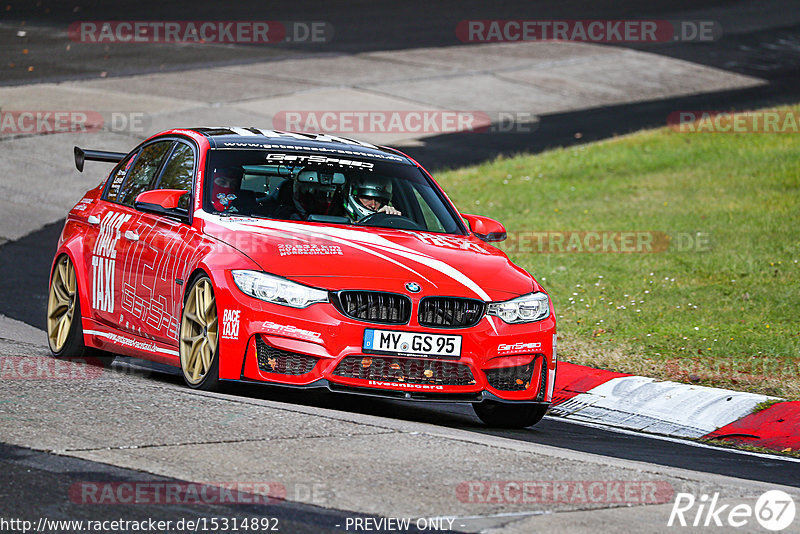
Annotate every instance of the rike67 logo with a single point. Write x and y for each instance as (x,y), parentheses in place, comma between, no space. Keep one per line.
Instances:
(774,511)
(230,324)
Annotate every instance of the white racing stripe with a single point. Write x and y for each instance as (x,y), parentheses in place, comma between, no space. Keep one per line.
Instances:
(344,140)
(346,243)
(268,133)
(356,239)
(298,136)
(241,131)
(385,245)
(491,319)
(410,254)
(350,237)
(292,234)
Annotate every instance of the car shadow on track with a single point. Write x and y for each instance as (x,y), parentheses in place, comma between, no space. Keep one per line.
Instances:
(441,413)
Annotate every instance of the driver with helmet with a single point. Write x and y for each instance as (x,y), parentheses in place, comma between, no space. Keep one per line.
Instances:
(369,195)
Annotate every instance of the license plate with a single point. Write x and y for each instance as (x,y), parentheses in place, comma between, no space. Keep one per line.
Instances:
(393,342)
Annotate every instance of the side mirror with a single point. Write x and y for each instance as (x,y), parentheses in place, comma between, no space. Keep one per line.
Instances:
(485,228)
(162,202)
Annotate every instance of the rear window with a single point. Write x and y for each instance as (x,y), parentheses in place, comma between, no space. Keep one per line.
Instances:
(118,177)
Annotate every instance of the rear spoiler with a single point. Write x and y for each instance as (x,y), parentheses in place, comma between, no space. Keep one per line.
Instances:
(82,155)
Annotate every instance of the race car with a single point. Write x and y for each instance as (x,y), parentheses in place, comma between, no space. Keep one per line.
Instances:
(301,260)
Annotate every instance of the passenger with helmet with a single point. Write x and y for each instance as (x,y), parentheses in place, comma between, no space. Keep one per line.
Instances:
(369,195)
(227,182)
(227,195)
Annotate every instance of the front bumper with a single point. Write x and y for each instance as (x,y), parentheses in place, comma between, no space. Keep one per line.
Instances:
(323,384)
(320,347)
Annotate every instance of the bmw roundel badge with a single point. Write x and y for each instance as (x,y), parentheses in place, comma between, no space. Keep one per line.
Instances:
(413,287)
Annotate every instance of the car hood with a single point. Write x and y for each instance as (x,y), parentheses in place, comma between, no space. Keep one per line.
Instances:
(338,257)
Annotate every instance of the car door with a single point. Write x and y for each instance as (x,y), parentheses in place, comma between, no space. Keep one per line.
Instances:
(163,251)
(105,223)
(129,313)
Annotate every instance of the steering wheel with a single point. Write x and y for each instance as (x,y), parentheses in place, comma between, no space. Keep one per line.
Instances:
(389,220)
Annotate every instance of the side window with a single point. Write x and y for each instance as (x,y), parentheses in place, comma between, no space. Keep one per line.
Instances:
(179,172)
(432,223)
(143,171)
(118,177)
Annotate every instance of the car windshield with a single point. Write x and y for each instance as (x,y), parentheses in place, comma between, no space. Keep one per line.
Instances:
(321,188)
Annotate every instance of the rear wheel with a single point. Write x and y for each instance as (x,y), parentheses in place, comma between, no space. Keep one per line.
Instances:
(198,337)
(501,415)
(64,333)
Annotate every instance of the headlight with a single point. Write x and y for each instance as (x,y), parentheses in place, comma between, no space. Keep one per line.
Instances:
(525,309)
(277,290)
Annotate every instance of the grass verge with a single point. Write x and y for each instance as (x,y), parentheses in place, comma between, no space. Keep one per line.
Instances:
(712,296)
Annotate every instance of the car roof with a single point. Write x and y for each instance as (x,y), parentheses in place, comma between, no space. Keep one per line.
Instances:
(237,137)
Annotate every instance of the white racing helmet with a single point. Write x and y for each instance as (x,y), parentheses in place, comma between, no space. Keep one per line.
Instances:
(374,187)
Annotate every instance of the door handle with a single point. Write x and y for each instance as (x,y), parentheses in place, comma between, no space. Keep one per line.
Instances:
(93,219)
(131,236)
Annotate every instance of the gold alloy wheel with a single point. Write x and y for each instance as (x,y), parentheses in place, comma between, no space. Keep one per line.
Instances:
(198,332)
(61,304)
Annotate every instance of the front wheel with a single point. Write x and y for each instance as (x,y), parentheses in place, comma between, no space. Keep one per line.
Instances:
(198,337)
(64,331)
(501,415)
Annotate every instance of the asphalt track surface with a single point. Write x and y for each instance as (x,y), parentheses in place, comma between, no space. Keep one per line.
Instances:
(37,484)
(41,480)
(38,479)
(357,27)
(771,54)
(365,26)
(550,431)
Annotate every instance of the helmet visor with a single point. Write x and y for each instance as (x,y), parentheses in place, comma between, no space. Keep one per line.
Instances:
(371,202)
